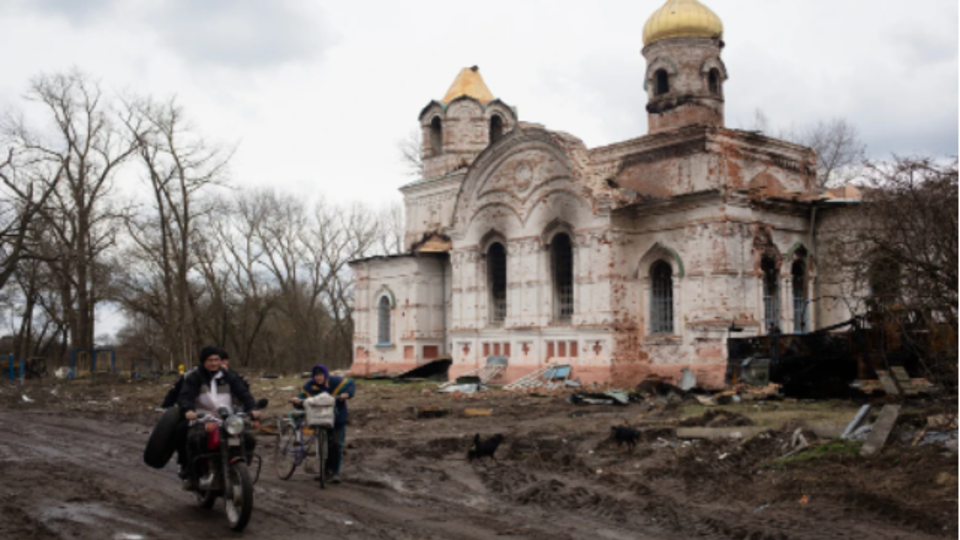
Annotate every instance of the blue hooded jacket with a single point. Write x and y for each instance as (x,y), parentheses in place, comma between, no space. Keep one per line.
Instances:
(331,383)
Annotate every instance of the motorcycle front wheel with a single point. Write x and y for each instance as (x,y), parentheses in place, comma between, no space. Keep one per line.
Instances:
(239,502)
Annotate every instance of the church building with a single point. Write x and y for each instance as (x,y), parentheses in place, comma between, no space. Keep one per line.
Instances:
(625,261)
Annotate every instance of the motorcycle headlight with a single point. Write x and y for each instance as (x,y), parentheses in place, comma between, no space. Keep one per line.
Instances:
(235,425)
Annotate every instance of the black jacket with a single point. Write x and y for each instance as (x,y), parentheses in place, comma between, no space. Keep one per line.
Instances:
(171,398)
(194,381)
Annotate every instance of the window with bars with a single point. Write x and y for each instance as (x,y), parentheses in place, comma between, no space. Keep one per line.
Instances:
(383,337)
(771,293)
(497,272)
(562,255)
(799,273)
(661,298)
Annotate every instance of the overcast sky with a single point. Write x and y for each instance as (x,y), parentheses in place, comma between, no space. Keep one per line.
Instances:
(316,94)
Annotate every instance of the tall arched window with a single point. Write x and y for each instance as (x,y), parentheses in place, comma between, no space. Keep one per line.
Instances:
(436,136)
(497,272)
(561,254)
(799,274)
(383,320)
(771,293)
(496,128)
(714,77)
(663,82)
(661,298)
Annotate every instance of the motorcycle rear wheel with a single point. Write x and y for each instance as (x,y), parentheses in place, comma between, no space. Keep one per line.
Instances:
(239,503)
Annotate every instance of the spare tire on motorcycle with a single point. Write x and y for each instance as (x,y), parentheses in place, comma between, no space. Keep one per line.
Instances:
(163,440)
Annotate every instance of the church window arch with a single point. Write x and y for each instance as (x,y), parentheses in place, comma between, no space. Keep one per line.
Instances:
(436,136)
(497,281)
(383,321)
(714,79)
(561,262)
(771,293)
(799,278)
(661,298)
(496,128)
(662,80)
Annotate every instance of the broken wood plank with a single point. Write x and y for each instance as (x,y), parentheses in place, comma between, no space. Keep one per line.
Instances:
(478,412)
(881,430)
(889,385)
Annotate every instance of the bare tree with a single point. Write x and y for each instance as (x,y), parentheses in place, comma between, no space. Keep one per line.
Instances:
(411,154)
(179,167)
(85,148)
(839,150)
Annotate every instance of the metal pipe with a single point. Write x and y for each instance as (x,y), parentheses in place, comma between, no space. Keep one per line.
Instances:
(816,276)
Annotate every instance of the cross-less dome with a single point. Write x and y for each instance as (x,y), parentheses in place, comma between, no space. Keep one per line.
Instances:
(682,18)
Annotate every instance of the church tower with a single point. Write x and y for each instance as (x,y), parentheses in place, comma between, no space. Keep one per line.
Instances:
(685,75)
(467,121)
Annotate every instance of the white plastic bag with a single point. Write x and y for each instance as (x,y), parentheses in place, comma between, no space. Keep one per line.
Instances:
(320,410)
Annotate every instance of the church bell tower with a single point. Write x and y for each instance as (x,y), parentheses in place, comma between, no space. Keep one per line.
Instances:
(685,75)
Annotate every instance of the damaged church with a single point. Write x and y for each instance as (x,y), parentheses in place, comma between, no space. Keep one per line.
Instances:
(624,261)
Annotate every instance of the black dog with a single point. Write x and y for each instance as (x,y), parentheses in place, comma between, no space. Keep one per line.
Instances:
(625,435)
(484,448)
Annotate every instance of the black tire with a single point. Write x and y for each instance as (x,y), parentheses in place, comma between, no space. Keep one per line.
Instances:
(206,498)
(283,459)
(239,512)
(163,440)
(321,436)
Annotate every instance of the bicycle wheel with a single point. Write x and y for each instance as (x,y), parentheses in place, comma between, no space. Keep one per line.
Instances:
(322,455)
(286,452)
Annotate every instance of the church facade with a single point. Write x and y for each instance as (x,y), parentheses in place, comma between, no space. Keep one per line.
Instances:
(625,261)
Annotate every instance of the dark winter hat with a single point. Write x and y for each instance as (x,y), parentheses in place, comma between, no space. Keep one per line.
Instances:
(223,354)
(209,351)
(318,369)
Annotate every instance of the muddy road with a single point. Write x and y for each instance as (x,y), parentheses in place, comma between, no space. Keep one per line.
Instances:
(78,473)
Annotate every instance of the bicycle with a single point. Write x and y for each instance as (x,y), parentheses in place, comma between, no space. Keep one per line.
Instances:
(294,447)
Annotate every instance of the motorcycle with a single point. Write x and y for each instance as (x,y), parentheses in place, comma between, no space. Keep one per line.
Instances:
(222,467)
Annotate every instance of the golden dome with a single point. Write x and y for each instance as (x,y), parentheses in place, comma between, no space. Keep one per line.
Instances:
(469,83)
(682,18)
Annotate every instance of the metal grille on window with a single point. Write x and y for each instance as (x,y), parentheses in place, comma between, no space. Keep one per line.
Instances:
(562,253)
(497,270)
(384,321)
(800,296)
(661,299)
(771,294)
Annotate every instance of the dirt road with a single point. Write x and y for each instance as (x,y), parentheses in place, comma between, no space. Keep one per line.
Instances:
(79,475)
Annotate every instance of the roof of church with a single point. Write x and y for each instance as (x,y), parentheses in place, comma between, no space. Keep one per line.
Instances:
(469,83)
(682,18)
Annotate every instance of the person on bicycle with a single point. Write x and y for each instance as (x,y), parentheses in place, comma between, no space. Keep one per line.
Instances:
(342,389)
(205,391)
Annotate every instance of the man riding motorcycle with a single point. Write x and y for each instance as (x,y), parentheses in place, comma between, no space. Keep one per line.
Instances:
(205,391)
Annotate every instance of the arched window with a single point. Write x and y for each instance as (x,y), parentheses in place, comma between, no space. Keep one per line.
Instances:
(497,272)
(661,298)
(496,128)
(799,274)
(436,136)
(383,337)
(663,82)
(714,77)
(771,293)
(561,254)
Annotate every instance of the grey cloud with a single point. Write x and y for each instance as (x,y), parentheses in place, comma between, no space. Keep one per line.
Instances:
(75,11)
(242,33)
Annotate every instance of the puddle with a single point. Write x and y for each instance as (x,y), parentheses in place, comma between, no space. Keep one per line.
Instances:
(94,515)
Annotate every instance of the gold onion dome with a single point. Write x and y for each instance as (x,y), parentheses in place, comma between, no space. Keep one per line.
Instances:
(682,18)
(469,83)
